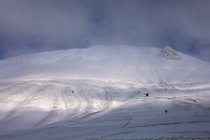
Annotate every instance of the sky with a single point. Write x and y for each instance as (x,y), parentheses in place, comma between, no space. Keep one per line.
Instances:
(30,26)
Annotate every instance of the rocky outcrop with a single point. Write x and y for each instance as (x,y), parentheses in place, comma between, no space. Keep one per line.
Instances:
(170,53)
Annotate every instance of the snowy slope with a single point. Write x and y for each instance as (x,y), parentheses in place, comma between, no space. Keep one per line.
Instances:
(100,92)
(106,63)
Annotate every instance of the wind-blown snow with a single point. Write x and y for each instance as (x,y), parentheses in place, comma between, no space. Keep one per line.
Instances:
(100,92)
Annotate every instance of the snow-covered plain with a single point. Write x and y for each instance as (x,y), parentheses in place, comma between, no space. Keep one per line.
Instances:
(100,93)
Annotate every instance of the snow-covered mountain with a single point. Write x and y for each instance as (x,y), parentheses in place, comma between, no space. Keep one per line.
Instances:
(104,92)
(106,63)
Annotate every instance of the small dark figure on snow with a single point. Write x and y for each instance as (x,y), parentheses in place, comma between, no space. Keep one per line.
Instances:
(194,100)
(72,91)
(147,94)
(166,111)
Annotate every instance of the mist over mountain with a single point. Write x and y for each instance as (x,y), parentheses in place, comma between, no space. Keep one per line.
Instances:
(28,26)
(104,69)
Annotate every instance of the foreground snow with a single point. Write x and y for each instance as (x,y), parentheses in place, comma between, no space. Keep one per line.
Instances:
(100,94)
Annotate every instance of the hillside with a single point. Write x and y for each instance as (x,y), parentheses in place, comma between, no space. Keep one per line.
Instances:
(104,92)
(106,63)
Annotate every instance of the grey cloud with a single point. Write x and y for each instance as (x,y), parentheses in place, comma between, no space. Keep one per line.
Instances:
(37,25)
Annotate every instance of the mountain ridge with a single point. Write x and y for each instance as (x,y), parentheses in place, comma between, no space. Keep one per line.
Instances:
(115,63)
(115,92)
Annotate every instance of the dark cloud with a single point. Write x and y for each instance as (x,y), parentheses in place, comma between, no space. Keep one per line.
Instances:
(35,25)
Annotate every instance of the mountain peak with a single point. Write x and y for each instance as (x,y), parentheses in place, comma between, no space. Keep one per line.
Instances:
(115,63)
